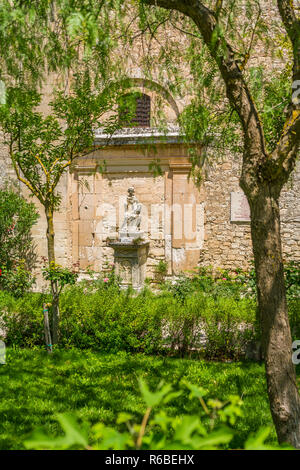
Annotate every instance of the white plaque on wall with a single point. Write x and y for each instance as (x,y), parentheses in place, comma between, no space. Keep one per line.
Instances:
(240,210)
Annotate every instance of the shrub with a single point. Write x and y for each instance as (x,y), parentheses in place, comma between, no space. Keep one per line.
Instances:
(17,257)
(22,319)
(292,278)
(214,328)
(161,270)
(223,283)
(100,316)
(230,326)
(181,288)
(16,280)
(109,320)
(294,316)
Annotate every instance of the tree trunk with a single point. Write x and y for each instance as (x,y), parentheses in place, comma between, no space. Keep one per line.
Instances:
(47,329)
(54,286)
(276,335)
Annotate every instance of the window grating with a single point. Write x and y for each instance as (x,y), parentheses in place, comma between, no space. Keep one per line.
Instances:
(135,110)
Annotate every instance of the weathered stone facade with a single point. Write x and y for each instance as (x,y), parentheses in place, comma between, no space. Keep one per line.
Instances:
(185,225)
(228,244)
(97,206)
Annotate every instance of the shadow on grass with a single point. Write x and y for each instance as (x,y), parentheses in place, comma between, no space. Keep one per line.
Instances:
(35,386)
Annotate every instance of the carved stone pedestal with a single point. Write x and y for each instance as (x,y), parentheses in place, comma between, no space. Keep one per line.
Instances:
(130,262)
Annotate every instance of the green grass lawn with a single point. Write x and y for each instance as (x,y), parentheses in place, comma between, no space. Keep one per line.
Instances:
(35,386)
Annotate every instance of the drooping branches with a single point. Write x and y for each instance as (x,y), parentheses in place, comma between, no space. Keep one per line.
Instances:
(292,25)
(257,162)
(237,90)
(288,146)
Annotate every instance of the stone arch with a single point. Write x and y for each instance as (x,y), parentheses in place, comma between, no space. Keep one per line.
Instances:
(136,82)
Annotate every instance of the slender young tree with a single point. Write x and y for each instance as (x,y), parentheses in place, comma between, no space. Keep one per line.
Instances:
(43,147)
(263,175)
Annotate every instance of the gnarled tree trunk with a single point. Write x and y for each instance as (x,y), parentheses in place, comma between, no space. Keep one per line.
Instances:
(276,335)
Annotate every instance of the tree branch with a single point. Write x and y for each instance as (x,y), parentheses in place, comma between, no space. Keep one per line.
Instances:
(237,90)
(30,186)
(287,149)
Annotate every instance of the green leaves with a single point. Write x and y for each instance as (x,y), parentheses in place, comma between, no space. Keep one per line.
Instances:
(83,28)
(42,36)
(43,146)
(62,276)
(17,257)
(257,441)
(196,392)
(187,431)
(161,432)
(185,427)
(292,278)
(75,436)
(153,399)
(215,439)
(110,438)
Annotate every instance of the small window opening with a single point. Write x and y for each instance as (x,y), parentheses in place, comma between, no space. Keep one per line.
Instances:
(135,110)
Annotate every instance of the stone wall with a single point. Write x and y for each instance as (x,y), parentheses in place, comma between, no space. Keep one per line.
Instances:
(290,216)
(219,241)
(228,244)
(98,207)
(86,217)
(92,205)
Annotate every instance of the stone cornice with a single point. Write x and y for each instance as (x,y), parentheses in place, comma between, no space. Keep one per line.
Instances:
(139,135)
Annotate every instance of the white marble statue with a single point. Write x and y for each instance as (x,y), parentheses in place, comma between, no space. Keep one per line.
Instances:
(132,218)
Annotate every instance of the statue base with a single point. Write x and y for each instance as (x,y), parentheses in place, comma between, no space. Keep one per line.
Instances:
(130,256)
(127,236)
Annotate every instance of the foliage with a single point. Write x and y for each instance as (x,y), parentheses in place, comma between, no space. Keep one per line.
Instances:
(201,316)
(42,147)
(99,316)
(292,279)
(22,319)
(213,327)
(221,283)
(62,276)
(161,270)
(17,216)
(113,320)
(235,282)
(276,91)
(180,288)
(97,387)
(162,267)
(16,280)
(294,317)
(17,257)
(56,33)
(40,37)
(158,430)
(106,279)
